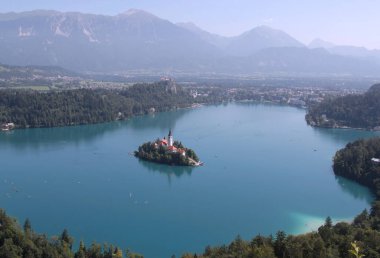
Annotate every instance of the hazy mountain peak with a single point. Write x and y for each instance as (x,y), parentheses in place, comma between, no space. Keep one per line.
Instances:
(137,13)
(263,29)
(320,43)
(261,37)
(189,25)
(271,34)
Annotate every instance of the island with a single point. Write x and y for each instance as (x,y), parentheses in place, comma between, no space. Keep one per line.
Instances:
(167,151)
(361,111)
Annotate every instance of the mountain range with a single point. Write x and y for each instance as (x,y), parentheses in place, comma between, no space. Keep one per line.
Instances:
(136,41)
(353,51)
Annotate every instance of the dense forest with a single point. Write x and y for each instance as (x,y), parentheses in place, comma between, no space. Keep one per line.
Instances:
(28,108)
(151,152)
(355,162)
(17,242)
(356,111)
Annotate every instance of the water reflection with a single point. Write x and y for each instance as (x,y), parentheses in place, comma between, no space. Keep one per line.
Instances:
(169,171)
(162,120)
(356,190)
(38,137)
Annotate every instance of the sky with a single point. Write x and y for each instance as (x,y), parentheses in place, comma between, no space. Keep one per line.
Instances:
(343,22)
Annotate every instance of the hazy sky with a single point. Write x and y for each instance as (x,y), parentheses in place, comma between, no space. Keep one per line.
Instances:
(349,22)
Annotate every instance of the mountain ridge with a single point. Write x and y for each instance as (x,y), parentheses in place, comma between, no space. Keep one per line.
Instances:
(346,50)
(137,40)
(259,38)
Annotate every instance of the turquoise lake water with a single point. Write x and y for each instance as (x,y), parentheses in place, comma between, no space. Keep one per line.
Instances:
(265,170)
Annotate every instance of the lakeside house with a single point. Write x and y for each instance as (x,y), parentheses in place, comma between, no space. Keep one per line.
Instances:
(7,126)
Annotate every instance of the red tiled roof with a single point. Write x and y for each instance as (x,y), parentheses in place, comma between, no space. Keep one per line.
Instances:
(172,148)
(163,142)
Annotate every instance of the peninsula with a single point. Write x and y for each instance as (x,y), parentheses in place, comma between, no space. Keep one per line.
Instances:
(167,151)
(351,111)
(360,161)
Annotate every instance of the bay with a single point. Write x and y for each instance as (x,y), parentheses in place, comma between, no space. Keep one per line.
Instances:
(265,170)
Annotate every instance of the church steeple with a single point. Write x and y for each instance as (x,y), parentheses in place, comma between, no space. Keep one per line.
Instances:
(170,138)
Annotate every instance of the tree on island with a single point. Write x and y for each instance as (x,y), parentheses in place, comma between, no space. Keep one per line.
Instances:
(149,152)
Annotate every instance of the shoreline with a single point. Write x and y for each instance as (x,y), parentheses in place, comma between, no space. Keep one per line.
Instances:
(192,106)
(310,223)
(344,128)
(314,124)
(198,164)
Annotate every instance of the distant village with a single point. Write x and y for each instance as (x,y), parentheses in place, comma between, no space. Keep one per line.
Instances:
(293,96)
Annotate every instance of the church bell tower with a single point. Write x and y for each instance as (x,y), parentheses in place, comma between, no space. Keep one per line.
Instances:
(170,138)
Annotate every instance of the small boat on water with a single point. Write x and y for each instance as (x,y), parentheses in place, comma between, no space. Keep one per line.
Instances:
(199,164)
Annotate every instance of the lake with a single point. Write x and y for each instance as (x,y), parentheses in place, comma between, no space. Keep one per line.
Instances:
(264,170)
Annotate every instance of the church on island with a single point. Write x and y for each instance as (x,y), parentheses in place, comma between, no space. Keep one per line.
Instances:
(168,145)
(167,151)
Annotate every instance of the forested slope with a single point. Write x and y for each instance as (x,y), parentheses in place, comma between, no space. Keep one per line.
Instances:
(28,108)
(357,111)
